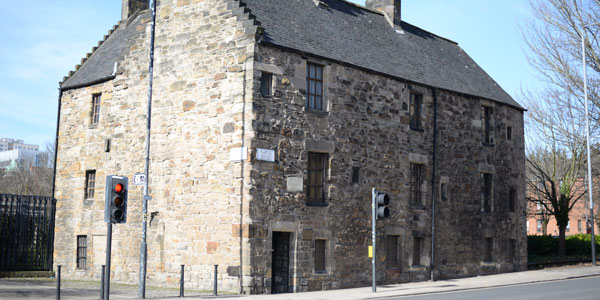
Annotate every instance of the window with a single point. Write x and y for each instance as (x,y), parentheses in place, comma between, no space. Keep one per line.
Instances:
(528,225)
(81,252)
(317,165)
(538,206)
(444,191)
(512,200)
(509,133)
(320,256)
(417,241)
(416,102)
(512,250)
(266,84)
(486,191)
(355,174)
(539,225)
(579,226)
(568,226)
(392,259)
(90,184)
(486,125)
(489,246)
(314,87)
(95,108)
(416,181)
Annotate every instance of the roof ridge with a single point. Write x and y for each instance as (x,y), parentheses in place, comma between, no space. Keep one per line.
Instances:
(429,32)
(87,55)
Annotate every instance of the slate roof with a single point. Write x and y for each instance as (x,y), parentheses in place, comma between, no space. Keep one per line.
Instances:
(349,33)
(100,65)
(339,31)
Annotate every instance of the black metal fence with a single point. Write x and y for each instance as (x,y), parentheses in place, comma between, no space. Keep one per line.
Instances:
(26,232)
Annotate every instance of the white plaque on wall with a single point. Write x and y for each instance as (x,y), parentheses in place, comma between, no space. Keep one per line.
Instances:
(295,184)
(265,154)
(237,154)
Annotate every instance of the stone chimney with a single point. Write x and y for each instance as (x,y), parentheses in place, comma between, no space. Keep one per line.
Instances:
(131,6)
(391,8)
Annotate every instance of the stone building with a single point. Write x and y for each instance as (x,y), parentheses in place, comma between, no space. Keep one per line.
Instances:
(272,121)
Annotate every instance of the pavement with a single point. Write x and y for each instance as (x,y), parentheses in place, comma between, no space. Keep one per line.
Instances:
(46,289)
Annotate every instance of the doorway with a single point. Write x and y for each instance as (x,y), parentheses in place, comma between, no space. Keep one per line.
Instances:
(280,263)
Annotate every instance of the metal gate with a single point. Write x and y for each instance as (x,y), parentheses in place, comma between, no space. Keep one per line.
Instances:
(26,232)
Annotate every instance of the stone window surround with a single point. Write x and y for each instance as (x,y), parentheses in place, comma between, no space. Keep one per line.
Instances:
(274,70)
(443,188)
(488,250)
(303,70)
(90,185)
(487,169)
(398,250)
(418,159)
(81,254)
(487,105)
(416,95)
(325,148)
(95,109)
(327,236)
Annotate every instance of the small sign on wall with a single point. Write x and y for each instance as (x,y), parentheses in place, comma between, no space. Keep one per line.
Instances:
(238,154)
(295,184)
(265,154)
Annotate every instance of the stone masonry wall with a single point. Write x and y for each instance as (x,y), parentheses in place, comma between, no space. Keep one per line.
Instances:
(199,112)
(366,125)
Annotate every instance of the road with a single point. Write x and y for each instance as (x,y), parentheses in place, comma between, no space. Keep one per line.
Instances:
(572,289)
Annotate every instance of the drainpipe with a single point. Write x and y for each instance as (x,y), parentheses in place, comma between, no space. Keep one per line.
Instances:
(433,185)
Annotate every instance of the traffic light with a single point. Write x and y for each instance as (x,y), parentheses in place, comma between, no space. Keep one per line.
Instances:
(382,200)
(115,208)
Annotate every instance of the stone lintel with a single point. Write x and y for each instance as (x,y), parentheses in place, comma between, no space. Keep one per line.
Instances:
(486,168)
(319,146)
(417,158)
(268,68)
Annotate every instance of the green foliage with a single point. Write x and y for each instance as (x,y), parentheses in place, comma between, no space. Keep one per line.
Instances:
(545,247)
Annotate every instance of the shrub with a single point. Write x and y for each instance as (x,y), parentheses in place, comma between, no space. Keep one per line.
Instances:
(546,245)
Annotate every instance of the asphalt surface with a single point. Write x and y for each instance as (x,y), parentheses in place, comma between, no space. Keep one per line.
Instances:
(572,289)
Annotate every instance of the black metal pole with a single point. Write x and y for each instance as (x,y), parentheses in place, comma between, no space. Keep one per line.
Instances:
(102,283)
(181,282)
(107,274)
(215,284)
(58,283)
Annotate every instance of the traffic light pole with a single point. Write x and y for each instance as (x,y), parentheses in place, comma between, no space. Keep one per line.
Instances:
(374,236)
(108,252)
(144,245)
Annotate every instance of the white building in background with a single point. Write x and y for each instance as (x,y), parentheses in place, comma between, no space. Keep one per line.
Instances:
(30,158)
(7,144)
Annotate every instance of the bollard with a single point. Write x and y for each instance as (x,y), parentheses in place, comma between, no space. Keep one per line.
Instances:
(58,283)
(102,283)
(181,282)
(215,286)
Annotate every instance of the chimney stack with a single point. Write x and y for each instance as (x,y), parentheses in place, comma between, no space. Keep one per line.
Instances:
(131,6)
(390,8)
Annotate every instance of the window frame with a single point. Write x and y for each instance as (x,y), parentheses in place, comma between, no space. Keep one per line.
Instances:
(355,175)
(486,125)
(317,104)
(316,167)
(509,133)
(90,185)
(489,249)
(416,183)
(417,250)
(95,112)
(81,256)
(415,111)
(487,191)
(320,256)
(392,259)
(266,84)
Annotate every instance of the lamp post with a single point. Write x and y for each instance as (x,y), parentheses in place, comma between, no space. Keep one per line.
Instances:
(587,133)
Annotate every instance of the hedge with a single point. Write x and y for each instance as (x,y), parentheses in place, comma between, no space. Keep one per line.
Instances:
(546,245)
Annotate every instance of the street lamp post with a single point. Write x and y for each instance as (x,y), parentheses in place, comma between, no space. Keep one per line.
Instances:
(587,133)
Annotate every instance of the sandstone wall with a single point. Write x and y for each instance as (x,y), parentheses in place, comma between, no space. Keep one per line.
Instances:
(199,112)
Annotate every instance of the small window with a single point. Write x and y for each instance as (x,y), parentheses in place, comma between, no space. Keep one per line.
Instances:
(317,166)
(444,191)
(579,226)
(512,250)
(416,103)
(320,256)
(95,113)
(568,226)
(489,246)
(355,175)
(527,225)
(392,258)
(81,252)
(90,184)
(486,191)
(486,116)
(417,241)
(512,200)
(509,133)
(539,225)
(266,84)
(416,181)
(314,86)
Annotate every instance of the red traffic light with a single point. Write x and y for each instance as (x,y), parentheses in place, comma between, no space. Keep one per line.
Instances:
(118,187)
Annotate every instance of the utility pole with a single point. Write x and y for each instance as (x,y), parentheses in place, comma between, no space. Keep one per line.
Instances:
(144,246)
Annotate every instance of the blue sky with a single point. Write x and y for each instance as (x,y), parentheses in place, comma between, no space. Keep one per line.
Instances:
(43,40)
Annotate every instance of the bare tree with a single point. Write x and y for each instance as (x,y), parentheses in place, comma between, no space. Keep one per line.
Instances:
(31,174)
